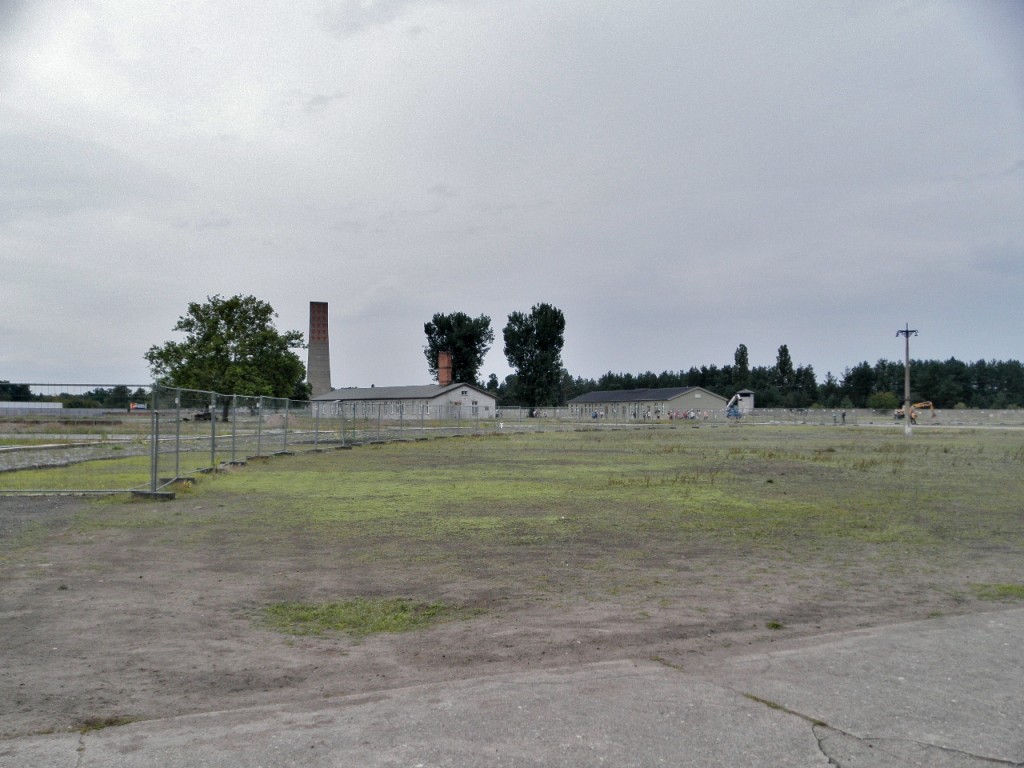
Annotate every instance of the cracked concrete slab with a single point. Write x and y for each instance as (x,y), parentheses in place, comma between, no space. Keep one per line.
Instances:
(46,751)
(943,693)
(847,751)
(940,692)
(619,713)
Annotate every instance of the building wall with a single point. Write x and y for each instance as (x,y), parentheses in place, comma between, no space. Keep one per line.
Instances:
(697,400)
(450,405)
(471,401)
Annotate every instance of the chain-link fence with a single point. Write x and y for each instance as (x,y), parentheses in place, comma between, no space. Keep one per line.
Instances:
(100,439)
(107,439)
(194,431)
(87,437)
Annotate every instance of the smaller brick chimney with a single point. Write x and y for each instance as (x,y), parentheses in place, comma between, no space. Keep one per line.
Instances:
(444,368)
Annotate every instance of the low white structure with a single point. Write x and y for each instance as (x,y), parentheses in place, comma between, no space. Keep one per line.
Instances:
(28,406)
(644,404)
(746,400)
(428,401)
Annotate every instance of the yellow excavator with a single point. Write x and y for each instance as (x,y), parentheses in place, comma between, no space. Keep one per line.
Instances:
(915,409)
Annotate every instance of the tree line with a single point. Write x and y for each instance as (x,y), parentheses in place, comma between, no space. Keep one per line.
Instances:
(119,396)
(231,345)
(533,345)
(947,384)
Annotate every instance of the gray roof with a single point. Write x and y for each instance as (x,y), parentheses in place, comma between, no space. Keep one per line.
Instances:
(413,392)
(636,395)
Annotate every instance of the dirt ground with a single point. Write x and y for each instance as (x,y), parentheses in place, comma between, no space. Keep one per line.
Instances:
(112,625)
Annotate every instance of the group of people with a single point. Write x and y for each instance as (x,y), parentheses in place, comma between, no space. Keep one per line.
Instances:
(647,415)
(691,415)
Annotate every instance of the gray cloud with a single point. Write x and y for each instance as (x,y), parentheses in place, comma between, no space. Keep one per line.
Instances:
(679,178)
(59,174)
(322,101)
(349,17)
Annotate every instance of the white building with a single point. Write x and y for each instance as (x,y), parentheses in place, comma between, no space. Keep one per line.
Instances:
(641,404)
(427,401)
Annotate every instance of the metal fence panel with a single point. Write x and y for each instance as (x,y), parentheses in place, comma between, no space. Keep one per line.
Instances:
(96,437)
(102,439)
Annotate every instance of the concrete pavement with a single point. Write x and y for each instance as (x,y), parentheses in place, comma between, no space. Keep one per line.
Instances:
(942,693)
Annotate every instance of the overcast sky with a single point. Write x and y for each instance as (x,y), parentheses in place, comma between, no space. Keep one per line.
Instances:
(678,177)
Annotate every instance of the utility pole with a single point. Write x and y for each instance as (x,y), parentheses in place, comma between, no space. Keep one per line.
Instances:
(906,333)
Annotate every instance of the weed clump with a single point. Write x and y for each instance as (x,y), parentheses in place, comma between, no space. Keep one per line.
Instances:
(999,591)
(358,617)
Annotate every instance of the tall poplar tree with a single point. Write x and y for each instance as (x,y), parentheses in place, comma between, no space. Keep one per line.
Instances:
(533,347)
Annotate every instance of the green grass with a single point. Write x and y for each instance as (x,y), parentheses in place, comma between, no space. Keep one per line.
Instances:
(761,485)
(608,512)
(358,617)
(999,591)
(115,474)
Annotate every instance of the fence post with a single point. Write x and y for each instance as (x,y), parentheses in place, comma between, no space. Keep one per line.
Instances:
(259,426)
(154,436)
(316,427)
(177,433)
(286,404)
(234,426)
(213,430)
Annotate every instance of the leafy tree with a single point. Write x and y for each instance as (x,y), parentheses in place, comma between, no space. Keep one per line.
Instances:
(116,397)
(79,401)
(741,370)
(15,392)
(231,346)
(784,374)
(533,347)
(467,339)
(883,401)
(828,392)
(805,388)
(858,383)
(508,391)
(572,387)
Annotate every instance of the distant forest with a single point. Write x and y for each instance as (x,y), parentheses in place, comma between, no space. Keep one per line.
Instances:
(119,396)
(947,384)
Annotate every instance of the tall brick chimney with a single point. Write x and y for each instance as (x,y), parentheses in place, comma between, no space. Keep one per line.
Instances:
(318,369)
(444,368)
